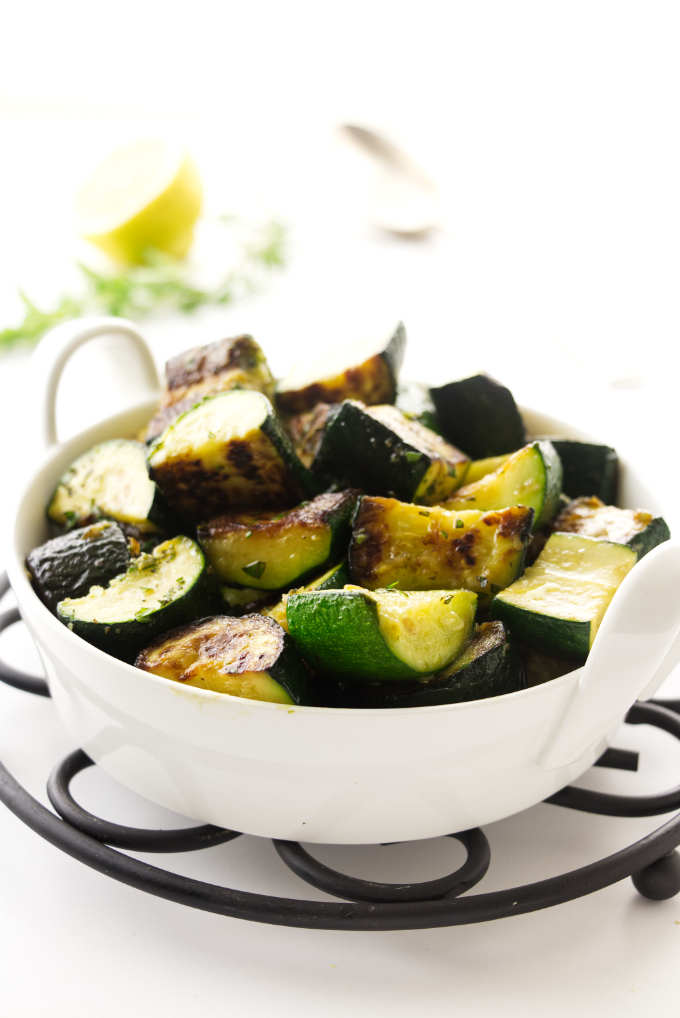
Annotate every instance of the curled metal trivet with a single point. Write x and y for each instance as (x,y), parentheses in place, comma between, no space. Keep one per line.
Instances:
(652,861)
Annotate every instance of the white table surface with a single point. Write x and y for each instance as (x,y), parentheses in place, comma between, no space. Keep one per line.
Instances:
(556,268)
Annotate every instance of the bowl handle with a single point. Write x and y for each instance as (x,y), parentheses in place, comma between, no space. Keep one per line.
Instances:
(636,648)
(55,349)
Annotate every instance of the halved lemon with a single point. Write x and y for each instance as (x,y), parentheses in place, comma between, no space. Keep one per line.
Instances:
(144,195)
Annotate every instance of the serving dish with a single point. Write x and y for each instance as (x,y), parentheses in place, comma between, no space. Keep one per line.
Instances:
(334,775)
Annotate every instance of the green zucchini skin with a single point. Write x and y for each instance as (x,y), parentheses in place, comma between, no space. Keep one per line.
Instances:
(333,579)
(416,403)
(588,469)
(68,565)
(109,481)
(590,517)
(380,451)
(123,637)
(479,415)
(340,631)
(235,363)
(489,666)
(372,381)
(250,657)
(275,550)
(228,452)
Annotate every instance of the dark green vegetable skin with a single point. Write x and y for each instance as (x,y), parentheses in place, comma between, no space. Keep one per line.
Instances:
(68,565)
(487,667)
(588,469)
(656,532)
(479,416)
(124,640)
(367,454)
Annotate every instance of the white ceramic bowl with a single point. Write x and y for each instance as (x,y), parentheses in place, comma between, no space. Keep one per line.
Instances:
(336,775)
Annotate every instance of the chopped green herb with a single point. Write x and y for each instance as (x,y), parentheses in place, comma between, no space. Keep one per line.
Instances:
(421,512)
(360,537)
(391,586)
(255,569)
(459,524)
(411,456)
(249,533)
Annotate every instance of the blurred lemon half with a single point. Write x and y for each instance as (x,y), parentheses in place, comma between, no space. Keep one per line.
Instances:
(144,195)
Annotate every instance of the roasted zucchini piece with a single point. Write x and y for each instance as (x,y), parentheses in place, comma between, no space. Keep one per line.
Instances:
(480,468)
(479,415)
(158,591)
(68,565)
(109,481)
(487,666)
(227,452)
(236,363)
(306,432)
(333,579)
(417,548)
(560,601)
(272,550)
(416,403)
(591,517)
(368,374)
(381,451)
(250,657)
(532,476)
(245,600)
(383,634)
(588,469)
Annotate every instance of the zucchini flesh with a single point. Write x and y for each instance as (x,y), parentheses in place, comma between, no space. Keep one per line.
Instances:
(588,469)
(383,634)
(418,548)
(480,468)
(381,451)
(236,363)
(272,550)
(369,374)
(333,579)
(228,451)
(249,657)
(479,415)
(487,666)
(590,517)
(532,476)
(156,592)
(68,565)
(109,481)
(560,601)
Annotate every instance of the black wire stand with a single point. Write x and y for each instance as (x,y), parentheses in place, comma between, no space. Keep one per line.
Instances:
(652,862)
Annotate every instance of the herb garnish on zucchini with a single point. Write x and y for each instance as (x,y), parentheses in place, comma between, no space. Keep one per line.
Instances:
(383,634)
(156,592)
(559,602)
(381,451)
(370,375)
(271,550)
(250,657)
(109,481)
(227,452)
(422,548)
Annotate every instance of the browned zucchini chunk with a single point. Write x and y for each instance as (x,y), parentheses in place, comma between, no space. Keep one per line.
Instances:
(369,375)
(590,517)
(381,451)
(306,431)
(272,550)
(227,452)
(412,547)
(251,657)
(236,363)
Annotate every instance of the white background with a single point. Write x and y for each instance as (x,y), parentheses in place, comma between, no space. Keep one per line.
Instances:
(552,132)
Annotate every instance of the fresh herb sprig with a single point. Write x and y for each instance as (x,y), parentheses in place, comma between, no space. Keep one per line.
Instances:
(161,283)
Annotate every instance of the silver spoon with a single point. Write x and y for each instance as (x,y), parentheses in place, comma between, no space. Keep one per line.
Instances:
(405,200)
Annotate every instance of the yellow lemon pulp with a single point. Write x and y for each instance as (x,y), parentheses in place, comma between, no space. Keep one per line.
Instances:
(144,195)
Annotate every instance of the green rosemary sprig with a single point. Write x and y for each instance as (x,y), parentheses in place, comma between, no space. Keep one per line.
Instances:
(162,283)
